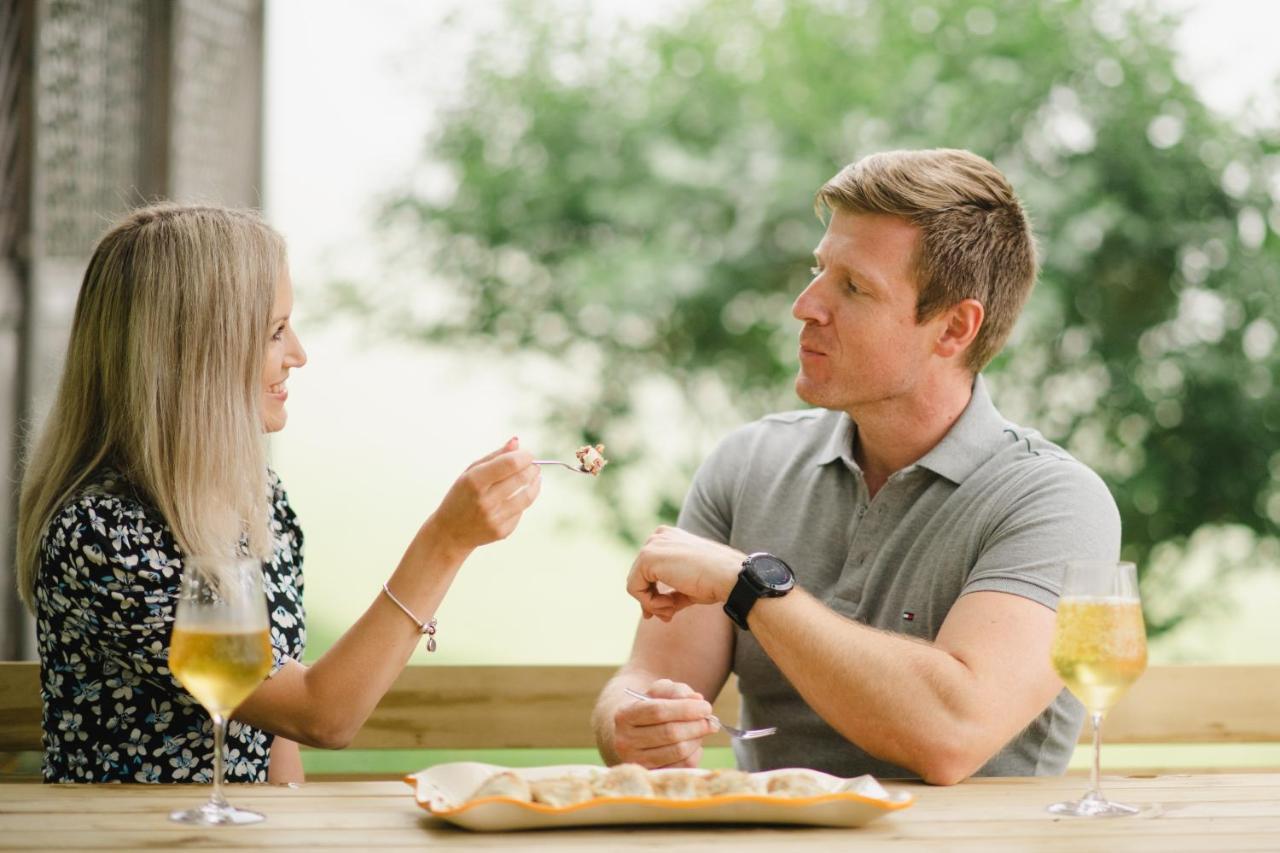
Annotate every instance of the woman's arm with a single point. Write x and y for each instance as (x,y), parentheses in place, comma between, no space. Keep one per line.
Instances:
(286,763)
(325,704)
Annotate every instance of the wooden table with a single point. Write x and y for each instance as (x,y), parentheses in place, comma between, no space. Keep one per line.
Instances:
(1230,811)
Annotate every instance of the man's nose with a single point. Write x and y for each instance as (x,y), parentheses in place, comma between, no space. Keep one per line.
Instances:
(808,306)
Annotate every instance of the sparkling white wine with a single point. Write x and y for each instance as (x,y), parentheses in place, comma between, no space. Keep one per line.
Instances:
(1099,648)
(220,668)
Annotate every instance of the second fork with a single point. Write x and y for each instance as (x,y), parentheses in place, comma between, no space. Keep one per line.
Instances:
(741,734)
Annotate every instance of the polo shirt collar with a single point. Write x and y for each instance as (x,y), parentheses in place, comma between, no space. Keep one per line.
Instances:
(971,441)
(839,444)
(975,436)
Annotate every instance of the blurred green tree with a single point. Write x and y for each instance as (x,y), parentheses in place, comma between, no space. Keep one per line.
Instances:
(636,204)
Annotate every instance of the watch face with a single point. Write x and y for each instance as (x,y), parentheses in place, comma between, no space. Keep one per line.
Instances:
(771,571)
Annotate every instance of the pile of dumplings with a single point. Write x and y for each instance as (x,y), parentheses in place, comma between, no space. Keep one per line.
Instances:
(632,780)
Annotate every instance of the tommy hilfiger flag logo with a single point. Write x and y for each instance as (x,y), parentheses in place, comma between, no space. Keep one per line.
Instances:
(908,616)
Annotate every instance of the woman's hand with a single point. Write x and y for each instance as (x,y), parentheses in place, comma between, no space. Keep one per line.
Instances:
(485,503)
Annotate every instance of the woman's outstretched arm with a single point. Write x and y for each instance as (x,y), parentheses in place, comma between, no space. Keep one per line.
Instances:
(326,703)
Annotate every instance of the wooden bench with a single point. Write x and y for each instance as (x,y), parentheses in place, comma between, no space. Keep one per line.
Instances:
(547,707)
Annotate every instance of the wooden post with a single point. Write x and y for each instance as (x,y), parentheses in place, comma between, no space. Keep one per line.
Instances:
(17,74)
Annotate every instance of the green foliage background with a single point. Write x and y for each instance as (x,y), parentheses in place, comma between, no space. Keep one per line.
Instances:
(637,203)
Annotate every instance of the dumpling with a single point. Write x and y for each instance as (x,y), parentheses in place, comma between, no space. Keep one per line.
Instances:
(625,780)
(680,786)
(561,791)
(721,782)
(591,459)
(504,784)
(798,784)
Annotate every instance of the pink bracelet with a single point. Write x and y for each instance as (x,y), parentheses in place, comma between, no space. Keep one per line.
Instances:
(427,628)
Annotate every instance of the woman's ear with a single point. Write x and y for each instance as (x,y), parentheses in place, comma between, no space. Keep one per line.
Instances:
(963,320)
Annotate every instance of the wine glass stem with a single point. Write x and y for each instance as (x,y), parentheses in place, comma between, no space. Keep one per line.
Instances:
(219,733)
(1095,783)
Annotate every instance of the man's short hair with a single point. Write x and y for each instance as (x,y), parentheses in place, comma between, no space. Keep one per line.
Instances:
(975,240)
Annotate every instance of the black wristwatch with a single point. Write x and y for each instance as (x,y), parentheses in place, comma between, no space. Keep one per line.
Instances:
(762,576)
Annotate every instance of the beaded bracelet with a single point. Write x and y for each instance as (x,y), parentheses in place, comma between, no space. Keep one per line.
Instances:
(427,628)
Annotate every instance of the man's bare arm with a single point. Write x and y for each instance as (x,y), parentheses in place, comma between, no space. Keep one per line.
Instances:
(686,661)
(940,709)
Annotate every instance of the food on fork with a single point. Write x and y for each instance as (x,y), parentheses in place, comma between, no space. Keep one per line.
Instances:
(625,780)
(561,791)
(505,784)
(721,782)
(680,786)
(798,784)
(591,459)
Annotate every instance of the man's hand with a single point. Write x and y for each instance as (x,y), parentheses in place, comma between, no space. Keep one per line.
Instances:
(676,568)
(665,730)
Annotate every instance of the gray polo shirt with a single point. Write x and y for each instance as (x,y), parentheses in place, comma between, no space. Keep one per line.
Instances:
(993,506)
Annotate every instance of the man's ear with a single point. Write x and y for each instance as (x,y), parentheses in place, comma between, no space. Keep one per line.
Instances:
(963,320)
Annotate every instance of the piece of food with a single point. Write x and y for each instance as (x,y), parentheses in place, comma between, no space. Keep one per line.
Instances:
(504,784)
(680,786)
(625,780)
(561,791)
(591,459)
(798,784)
(720,782)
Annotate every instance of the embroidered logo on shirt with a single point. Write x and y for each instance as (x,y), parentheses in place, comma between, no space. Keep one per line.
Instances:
(908,616)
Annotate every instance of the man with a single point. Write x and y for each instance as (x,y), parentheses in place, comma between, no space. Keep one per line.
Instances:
(925,534)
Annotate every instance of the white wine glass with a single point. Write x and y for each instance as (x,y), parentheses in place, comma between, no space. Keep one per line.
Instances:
(220,652)
(1099,649)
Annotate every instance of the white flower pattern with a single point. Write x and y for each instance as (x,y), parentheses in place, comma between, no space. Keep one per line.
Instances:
(105,594)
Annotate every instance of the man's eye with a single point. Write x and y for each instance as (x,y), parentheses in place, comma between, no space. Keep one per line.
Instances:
(851,287)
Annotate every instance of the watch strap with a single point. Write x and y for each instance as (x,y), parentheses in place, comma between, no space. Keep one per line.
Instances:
(742,598)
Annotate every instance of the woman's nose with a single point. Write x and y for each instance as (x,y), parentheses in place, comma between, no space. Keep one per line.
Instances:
(297,355)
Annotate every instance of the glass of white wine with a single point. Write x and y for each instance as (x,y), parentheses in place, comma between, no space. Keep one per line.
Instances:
(1099,649)
(220,651)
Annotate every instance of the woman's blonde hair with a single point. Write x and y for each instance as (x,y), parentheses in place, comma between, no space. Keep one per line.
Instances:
(162,381)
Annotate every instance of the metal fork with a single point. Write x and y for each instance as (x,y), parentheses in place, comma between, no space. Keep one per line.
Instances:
(577,468)
(741,734)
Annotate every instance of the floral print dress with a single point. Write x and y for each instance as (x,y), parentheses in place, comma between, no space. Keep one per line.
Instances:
(105,600)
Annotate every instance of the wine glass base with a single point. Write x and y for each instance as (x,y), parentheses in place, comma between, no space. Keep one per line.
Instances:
(1098,807)
(211,814)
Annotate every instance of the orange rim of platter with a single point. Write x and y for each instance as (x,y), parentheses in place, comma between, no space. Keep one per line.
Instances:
(666,803)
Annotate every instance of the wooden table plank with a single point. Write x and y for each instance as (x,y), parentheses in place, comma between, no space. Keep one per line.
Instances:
(754,841)
(1201,812)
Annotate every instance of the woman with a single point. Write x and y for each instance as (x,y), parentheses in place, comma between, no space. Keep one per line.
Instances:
(180,350)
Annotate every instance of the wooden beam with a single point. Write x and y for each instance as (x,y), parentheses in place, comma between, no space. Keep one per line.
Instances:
(498,707)
(1198,704)
(515,707)
(20,707)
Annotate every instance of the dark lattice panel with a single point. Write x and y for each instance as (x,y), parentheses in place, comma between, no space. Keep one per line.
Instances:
(89,100)
(216,97)
(15,90)
(104,105)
